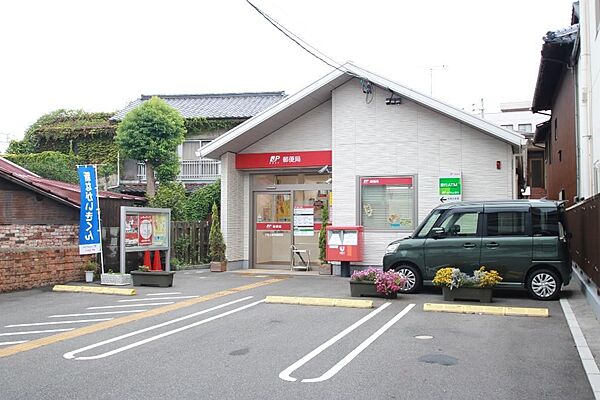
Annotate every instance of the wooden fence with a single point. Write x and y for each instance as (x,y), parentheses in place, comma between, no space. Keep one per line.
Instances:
(189,241)
(583,222)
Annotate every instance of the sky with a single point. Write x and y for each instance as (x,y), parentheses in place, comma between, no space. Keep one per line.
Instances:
(101,55)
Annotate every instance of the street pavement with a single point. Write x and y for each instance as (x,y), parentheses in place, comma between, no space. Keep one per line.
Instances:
(237,346)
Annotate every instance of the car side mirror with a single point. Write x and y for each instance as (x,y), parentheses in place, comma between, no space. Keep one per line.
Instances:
(438,233)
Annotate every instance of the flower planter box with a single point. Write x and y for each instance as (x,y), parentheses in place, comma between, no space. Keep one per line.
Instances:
(115,279)
(367,289)
(216,266)
(484,295)
(325,269)
(153,278)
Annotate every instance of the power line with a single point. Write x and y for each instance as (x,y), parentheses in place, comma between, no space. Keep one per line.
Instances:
(302,43)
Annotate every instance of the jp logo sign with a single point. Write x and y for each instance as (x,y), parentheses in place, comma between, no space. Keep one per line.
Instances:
(273,160)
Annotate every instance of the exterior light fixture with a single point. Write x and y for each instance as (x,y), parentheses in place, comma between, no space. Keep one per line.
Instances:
(391,101)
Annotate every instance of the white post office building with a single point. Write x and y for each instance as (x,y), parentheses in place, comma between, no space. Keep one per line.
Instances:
(376,152)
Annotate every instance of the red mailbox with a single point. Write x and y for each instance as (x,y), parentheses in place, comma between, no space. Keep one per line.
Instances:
(344,243)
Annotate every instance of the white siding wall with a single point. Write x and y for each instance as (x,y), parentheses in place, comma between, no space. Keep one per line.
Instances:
(311,131)
(379,139)
(233,210)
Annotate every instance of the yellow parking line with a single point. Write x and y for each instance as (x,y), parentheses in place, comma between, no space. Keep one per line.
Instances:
(93,289)
(34,344)
(491,310)
(319,301)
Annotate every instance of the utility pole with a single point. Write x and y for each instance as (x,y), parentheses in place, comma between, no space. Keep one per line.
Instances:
(431,68)
(480,109)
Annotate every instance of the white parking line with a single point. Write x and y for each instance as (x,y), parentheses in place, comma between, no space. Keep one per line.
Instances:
(162,294)
(159,298)
(32,332)
(59,322)
(587,359)
(130,305)
(17,342)
(285,374)
(71,355)
(96,313)
(350,356)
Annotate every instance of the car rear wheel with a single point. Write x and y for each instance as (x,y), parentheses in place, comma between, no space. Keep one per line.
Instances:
(413,278)
(544,284)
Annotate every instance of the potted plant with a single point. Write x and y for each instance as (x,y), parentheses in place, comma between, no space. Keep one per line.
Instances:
(90,268)
(115,278)
(144,276)
(458,285)
(325,267)
(216,244)
(372,282)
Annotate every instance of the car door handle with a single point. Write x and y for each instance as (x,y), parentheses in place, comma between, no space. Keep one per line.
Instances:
(492,245)
(469,245)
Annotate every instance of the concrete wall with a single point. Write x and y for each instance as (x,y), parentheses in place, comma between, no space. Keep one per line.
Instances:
(371,139)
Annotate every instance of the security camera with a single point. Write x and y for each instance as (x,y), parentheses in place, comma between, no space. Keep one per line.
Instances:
(324,170)
(328,181)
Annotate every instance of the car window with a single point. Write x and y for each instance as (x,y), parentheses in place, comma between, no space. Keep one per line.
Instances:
(461,224)
(428,224)
(507,223)
(544,222)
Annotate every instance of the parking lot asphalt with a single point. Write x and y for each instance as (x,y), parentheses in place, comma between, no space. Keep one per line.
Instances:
(236,346)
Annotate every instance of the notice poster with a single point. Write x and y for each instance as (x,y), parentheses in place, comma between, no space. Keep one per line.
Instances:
(304,221)
(131,230)
(146,230)
(160,230)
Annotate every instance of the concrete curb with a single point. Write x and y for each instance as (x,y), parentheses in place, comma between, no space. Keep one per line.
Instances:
(319,301)
(93,289)
(489,310)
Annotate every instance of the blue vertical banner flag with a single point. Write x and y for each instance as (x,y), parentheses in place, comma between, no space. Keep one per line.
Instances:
(89,215)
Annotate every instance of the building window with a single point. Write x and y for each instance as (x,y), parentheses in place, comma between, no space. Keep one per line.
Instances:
(509,127)
(388,203)
(525,128)
(535,177)
(507,223)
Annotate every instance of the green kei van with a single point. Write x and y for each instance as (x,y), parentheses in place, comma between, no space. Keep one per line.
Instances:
(524,240)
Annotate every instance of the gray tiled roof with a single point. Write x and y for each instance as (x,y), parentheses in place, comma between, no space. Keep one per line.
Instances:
(220,105)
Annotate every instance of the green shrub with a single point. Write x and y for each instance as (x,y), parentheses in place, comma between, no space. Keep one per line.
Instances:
(49,164)
(323,233)
(216,244)
(199,203)
(171,195)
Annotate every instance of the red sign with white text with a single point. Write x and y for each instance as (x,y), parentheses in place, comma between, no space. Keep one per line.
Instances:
(405,181)
(287,159)
(273,226)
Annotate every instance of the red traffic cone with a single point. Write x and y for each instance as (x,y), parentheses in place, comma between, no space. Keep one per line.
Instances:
(147,261)
(156,265)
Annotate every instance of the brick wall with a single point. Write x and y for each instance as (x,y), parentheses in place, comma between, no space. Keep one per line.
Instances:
(38,255)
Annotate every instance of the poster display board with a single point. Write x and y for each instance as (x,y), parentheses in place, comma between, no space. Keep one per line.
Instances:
(450,187)
(144,228)
(304,221)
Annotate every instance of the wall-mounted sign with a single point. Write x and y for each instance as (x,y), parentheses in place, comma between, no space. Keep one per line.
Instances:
(403,181)
(288,159)
(450,187)
(273,226)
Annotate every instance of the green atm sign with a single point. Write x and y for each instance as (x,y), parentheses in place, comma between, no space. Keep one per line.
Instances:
(450,188)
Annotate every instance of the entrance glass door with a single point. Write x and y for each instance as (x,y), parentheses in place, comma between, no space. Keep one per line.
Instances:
(273,229)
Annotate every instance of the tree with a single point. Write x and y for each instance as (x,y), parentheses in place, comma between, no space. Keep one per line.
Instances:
(323,234)
(151,133)
(216,244)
